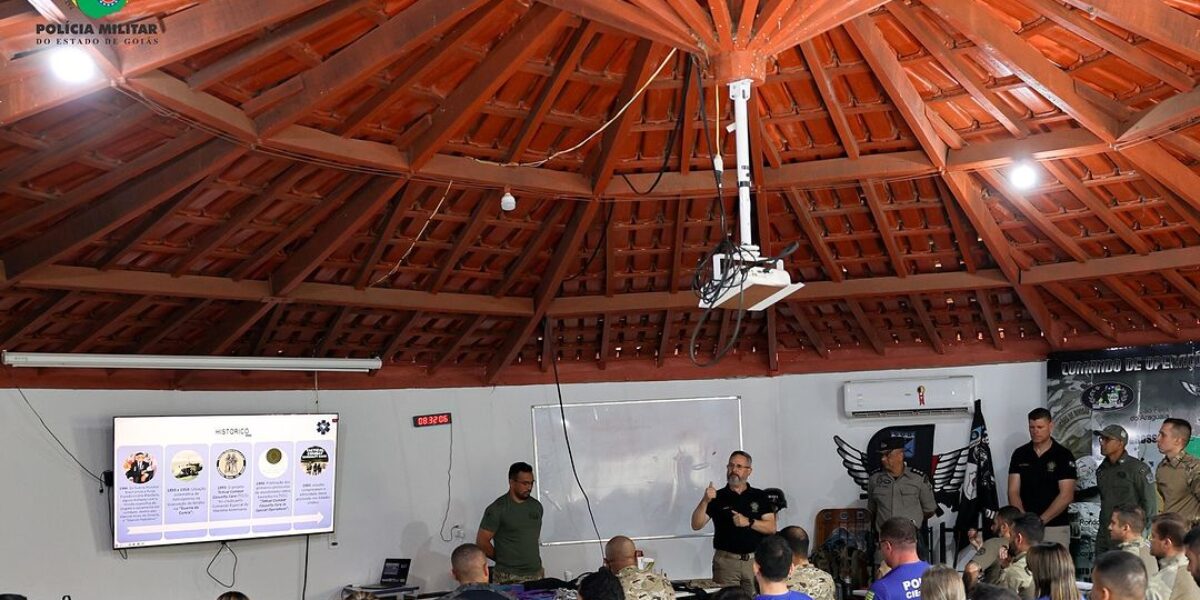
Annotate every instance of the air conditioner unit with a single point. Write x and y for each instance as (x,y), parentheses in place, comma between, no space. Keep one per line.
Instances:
(909,397)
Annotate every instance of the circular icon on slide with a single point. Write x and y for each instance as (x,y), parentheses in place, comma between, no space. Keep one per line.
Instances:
(231,464)
(314,459)
(186,465)
(272,463)
(139,467)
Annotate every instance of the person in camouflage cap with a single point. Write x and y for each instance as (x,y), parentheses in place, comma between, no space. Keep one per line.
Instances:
(620,556)
(805,577)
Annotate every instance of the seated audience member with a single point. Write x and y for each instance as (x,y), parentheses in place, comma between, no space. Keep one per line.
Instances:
(601,585)
(1191,545)
(1118,575)
(898,546)
(469,567)
(620,556)
(1126,527)
(1027,531)
(991,554)
(226,596)
(733,592)
(942,583)
(12,597)
(1053,572)
(987,591)
(805,577)
(970,576)
(1166,544)
(772,565)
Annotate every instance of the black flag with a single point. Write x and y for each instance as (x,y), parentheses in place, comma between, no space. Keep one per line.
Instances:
(977,500)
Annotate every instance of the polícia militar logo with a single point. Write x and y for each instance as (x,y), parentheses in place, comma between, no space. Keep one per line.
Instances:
(97,9)
(1107,396)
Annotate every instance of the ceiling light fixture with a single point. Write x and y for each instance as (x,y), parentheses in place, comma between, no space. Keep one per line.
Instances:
(72,65)
(508,201)
(163,361)
(1023,176)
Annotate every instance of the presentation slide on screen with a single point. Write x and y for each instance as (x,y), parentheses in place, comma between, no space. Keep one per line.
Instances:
(179,480)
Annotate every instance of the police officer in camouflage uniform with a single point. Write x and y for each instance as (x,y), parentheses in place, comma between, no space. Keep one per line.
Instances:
(1172,582)
(1178,475)
(1027,531)
(1126,527)
(620,556)
(805,577)
(469,566)
(1121,480)
(898,491)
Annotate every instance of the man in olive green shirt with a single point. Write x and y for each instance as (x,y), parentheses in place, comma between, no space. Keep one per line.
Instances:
(1121,480)
(511,528)
(1178,475)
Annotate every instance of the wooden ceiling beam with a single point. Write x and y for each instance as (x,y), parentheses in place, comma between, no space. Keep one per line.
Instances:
(874,195)
(1155,21)
(894,79)
(823,17)
(398,341)
(610,254)
(364,58)
(677,236)
(331,234)
(828,94)
(1035,216)
(108,323)
(156,219)
(689,114)
(387,232)
(962,238)
(606,329)
(240,217)
(1085,27)
(1135,300)
(816,237)
(23,327)
(989,317)
(271,42)
(1007,116)
(236,321)
(71,147)
(484,210)
(992,35)
(449,44)
(1176,258)
(602,160)
(743,34)
(628,18)
(452,351)
(806,325)
(268,330)
(520,267)
(1097,206)
(564,67)
(662,12)
(1085,312)
(865,326)
(167,326)
(548,352)
(81,228)
(1154,122)
(1182,285)
(772,340)
(1053,145)
(560,263)
(529,34)
(331,332)
(723,24)
(927,322)
(666,336)
(1154,161)
(699,23)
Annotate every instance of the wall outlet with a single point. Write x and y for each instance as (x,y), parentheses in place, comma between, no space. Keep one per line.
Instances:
(332,540)
(457,533)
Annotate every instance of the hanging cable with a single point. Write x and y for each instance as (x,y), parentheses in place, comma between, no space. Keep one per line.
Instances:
(233,577)
(449,475)
(571,455)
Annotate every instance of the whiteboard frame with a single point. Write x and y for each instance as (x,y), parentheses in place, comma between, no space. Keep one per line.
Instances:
(537,468)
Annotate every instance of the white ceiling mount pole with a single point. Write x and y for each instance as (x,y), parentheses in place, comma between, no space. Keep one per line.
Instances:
(739,92)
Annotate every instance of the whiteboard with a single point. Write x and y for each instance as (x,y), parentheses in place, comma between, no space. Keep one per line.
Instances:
(643,463)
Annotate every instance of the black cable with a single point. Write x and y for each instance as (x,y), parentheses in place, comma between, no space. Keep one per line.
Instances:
(304,587)
(98,479)
(449,475)
(599,245)
(675,131)
(571,455)
(233,578)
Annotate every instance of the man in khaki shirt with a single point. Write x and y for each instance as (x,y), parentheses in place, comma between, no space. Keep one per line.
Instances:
(1126,527)
(1178,474)
(805,577)
(620,556)
(1172,582)
(1027,531)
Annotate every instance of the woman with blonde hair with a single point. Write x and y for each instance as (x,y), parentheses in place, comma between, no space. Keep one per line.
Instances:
(942,583)
(1053,572)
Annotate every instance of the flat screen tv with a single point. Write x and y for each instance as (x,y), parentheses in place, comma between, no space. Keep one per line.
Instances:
(180,480)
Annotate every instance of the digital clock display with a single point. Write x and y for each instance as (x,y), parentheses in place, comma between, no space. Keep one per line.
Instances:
(431,420)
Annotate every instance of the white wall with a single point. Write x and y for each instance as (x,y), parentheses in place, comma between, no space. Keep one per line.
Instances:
(391,477)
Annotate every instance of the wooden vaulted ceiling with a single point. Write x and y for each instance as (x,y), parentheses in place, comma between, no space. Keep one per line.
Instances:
(307,178)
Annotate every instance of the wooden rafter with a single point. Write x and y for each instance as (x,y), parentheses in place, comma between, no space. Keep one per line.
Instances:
(233,324)
(865,326)
(610,253)
(1152,314)
(772,340)
(819,18)
(22,328)
(677,243)
(894,79)
(331,234)
(1152,20)
(816,237)
(169,325)
(403,332)
(452,350)
(603,159)
(606,329)
(626,17)
(954,216)
(927,322)
(1035,216)
(268,330)
(989,318)
(109,322)
(387,232)
(563,69)
(564,256)
(1182,285)
(332,331)
(72,146)
(76,231)
(1097,206)
(361,60)
(806,325)
(662,12)
(1154,122)
(156,219)
(1085,312)
(666,337)
(530,33)
(874,193)
(548,351)
(1007,116)
(826,88)
(520,267)
(993,35)
(722,24)
(484,210)
(699,22)
(1154,161)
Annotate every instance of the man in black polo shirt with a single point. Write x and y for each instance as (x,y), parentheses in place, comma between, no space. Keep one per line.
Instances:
(742,516)
(1041,478)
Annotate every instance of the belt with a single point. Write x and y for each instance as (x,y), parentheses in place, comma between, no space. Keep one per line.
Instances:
(747,556)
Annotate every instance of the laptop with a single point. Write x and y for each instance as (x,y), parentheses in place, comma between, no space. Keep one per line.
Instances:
(395,574)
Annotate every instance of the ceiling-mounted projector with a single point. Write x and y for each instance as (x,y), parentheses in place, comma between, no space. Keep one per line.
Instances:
(753,284)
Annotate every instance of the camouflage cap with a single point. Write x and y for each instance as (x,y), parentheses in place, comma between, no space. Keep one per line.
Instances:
(1114,432)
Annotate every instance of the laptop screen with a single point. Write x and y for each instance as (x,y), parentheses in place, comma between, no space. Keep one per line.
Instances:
(395,571)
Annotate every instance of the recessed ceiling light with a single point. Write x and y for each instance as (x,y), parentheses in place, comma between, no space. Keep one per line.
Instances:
(1023,176)
(72,65)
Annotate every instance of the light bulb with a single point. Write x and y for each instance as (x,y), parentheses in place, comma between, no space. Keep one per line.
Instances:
(1023,176)
(72,65)
(508,201)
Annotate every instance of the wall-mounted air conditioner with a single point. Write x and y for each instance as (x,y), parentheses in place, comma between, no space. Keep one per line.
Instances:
(909,397)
